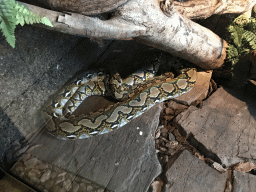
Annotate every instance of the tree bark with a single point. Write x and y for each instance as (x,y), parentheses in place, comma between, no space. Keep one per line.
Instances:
(192,9)
(201,9)
(86,7)
(145,21)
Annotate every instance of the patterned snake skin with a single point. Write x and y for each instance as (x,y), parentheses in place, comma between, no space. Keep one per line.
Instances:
(136,94)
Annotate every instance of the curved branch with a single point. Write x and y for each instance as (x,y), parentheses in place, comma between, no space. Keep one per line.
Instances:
(175,33)
(201,9)
(145,20)
(92,27)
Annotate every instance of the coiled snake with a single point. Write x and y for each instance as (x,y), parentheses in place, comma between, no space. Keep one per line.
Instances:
(136,94)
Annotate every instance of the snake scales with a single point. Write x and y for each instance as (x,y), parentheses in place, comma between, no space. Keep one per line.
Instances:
(136,94)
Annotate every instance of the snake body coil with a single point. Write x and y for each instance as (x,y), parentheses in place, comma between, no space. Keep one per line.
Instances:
(137,93)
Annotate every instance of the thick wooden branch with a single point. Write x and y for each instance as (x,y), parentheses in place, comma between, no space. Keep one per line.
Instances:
(145,20)
(201,9)
(175,33)
(92,27)
(192,9)
(85,7)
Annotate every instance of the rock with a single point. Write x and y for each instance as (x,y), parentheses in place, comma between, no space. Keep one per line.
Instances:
(200,90)
(223,129)
(156,186)
(46,175)
(218,167)
(189,174)
(9,184)
(123,160)
(244,167)
(171,137)
(244,182)
(175,107)
(52,178)
(31,163)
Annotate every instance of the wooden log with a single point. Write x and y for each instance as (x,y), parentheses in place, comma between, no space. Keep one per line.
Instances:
(192,9)
(145,20)
(86,7)
(201,9)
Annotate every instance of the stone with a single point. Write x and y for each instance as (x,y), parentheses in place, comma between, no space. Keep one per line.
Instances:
(244,182)
(156,186)
(30,163)
(176,107)
(190,174)
(46,175)
(67,184)
(223,129)
(171,137)
(199,91)
(75,186)
(244,167)
(123,160)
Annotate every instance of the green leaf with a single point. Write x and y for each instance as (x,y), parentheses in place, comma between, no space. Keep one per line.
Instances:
(8,31)
(46,21)
(12,14)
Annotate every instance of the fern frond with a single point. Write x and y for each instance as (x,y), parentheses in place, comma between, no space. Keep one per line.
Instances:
(232,54)
(7,21)
(250,37)
(241,20)
(251,25)
(242,38)
(12,14)
(236,33)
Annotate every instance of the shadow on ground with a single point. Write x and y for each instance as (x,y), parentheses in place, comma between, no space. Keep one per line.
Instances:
(11,140)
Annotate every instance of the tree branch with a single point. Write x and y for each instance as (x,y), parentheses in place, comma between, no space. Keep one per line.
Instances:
(201,9)
(145,20)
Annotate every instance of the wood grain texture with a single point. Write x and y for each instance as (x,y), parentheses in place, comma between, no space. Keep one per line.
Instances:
(86,7)
(201,9)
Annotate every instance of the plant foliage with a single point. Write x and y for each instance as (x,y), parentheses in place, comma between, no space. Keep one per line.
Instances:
(242,38)
(12,13)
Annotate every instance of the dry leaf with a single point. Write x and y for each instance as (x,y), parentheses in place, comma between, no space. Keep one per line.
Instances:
(244,167)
